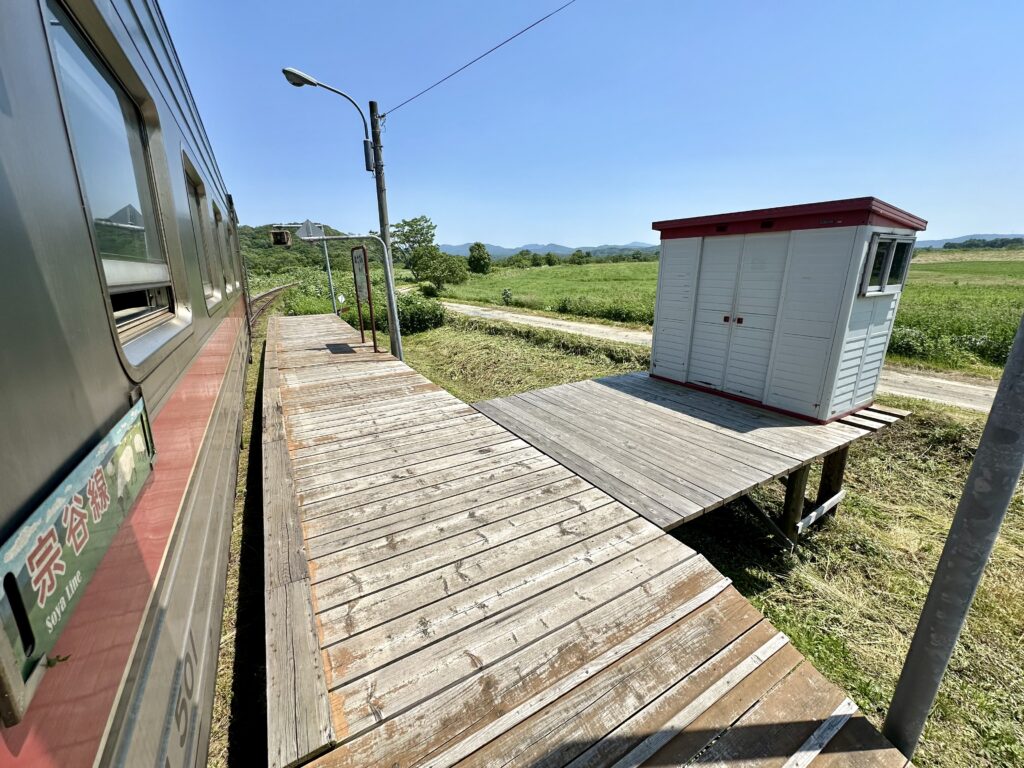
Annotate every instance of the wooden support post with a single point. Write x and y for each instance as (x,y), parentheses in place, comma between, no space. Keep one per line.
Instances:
(793,509)
(832,470)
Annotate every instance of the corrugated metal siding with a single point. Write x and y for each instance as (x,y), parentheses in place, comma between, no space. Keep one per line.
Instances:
(757,302)
(715,293)
(676,278)
(815,283)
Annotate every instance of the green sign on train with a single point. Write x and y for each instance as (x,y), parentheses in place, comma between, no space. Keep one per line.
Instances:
(53,555)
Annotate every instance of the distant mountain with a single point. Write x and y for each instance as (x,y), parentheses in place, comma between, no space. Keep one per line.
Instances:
(962,238)
(500,252)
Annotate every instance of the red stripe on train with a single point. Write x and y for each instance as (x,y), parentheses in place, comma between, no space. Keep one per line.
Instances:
(66,720)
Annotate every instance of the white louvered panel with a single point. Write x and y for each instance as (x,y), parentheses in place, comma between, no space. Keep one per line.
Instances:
(716,288)
(677,270)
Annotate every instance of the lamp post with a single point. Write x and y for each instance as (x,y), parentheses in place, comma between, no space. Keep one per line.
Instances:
(373,156)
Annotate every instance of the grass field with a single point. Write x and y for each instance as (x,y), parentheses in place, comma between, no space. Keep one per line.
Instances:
(850,597)
(623,291)
(960,310)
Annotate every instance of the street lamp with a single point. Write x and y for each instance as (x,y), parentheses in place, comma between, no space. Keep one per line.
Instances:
(373,155)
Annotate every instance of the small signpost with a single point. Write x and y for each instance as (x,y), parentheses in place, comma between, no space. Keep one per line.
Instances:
(361,278)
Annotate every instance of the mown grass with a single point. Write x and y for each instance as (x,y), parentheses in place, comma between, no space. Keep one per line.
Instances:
(959,311)
(474,364)
(850,596)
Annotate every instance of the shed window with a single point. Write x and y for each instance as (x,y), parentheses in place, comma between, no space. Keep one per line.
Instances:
(886,268)
(111,153)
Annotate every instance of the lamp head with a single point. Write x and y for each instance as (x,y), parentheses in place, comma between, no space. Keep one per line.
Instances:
(297,78)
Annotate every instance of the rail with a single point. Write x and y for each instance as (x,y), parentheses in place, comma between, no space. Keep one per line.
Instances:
(259,303)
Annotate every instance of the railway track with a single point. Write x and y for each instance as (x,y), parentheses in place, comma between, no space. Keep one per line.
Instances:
(259,303)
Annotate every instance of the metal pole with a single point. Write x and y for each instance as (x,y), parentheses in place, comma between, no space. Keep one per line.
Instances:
(330,280)
(990,486)
(394,332)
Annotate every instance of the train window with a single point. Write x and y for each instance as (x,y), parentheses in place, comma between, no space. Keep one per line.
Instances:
(109,138)
(195,206)
(222,250)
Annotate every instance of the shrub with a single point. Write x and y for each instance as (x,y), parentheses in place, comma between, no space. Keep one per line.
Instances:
(624,311)
(416,313)
(429,290)
(506,296)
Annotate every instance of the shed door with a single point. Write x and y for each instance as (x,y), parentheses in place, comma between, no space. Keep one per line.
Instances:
(716,290)
(756,306)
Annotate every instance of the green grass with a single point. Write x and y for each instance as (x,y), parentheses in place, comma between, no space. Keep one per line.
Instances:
(960,313)
(959,310)
(623,291)
(849,598)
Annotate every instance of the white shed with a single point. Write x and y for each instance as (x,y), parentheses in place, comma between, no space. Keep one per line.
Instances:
(790,308)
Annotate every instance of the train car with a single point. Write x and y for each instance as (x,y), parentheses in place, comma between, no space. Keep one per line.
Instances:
(125,338)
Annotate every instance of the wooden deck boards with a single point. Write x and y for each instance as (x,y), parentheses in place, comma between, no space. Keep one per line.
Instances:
(460,597)
(669,452)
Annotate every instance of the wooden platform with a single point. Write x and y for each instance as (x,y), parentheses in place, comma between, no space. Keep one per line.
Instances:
(669,452)
(441,592)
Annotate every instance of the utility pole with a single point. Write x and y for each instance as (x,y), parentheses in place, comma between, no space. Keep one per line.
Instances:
(990,486)
(385,232)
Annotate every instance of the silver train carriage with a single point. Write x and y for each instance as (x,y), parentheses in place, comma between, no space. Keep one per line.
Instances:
(122,361)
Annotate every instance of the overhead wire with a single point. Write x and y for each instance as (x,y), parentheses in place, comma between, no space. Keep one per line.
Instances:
(482,55)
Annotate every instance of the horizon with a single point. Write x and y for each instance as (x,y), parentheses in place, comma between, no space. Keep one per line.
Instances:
(599,121)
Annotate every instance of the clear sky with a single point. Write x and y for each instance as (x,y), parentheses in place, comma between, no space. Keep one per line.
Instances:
(613,114)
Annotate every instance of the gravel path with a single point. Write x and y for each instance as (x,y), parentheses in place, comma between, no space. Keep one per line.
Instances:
(976,397)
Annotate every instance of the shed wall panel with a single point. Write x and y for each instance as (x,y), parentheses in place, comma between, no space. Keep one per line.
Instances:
(674,308)
(815,284)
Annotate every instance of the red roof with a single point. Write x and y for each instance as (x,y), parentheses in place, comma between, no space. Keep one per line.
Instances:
(833,213)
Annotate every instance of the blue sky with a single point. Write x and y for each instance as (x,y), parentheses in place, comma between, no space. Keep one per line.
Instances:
(612,114)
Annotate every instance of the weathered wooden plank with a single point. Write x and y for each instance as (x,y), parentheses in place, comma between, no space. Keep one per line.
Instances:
(582,721)
(361,613)
(335,473)
(660,506)
(779,724)
(403,496)
(363,653)
(571,490)
(298,715)
(360,530)
(298,711)
(450,729)
(421,553)
(333,587)
(692,435)
(394,446)
(427,473)
(700,466)
(857,421)
(859,745)
(890,410)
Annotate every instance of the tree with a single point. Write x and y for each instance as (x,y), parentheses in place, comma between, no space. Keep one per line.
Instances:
(438,267)
(536,260)
(410,234)
(579,257)
(550,259)
(479,259)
